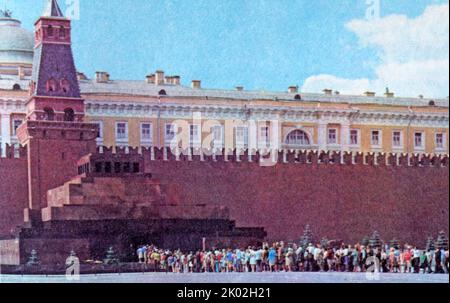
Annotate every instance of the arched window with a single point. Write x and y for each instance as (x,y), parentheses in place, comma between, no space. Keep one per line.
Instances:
(16,87)
(298,138)
(162,92)
(49,114)
(51,85)
(298,97)
(432,103)
(65,86)
(50,31)
(69,115)
(62,33)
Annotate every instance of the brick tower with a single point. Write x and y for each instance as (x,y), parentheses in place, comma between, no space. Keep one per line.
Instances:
(54,133)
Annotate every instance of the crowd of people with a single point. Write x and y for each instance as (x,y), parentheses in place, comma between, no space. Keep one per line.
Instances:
(288,258)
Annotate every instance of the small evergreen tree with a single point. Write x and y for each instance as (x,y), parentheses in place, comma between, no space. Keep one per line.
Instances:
(365,241)
(430,244)
(442,241)
(33,259)
(374,241)
(111,257)
(307,237)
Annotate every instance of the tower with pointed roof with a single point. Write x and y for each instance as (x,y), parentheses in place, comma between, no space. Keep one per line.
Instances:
(54,133)
(54,90)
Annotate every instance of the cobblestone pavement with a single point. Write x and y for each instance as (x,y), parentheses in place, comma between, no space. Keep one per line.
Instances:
(235,278)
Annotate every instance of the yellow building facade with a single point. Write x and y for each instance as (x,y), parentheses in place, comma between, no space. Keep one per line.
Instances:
(161,110)
(151,113)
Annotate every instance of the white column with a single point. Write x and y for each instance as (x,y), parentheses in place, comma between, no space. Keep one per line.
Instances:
(5,126)
(322,136)
(345,137)
(252,134)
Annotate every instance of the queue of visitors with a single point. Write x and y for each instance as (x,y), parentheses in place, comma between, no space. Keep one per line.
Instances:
(288,258)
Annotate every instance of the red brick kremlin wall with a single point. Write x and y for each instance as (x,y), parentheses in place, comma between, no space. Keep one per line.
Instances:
(338,201)
(13,190)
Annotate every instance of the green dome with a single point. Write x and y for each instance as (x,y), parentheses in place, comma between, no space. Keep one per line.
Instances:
(16,43)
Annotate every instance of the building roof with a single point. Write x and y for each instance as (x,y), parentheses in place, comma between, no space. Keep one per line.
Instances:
(16,43)
(142,88)
(52,9)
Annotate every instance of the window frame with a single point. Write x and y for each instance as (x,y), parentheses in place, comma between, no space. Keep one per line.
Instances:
(401,145)
(100,135)
(444,141)
(50,31)
(380,138)
(307,139)
(126,136)
(336,136)
(358,137)
(423,142)
(216,144)
(146,141)
(264,140)
(62,33)
(14,128)
(244,143)
(195,142)
(175,130)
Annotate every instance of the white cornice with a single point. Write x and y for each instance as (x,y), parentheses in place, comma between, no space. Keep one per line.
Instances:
(12,105)
(284,113)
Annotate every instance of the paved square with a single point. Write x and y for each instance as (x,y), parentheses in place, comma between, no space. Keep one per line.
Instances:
(234,278)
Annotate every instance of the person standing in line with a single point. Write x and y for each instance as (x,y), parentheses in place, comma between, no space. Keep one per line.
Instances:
(443,266)
(289,260)
(429,255)
(272,259)
(391,260)
(265,258)
(355,259)
(140,254)
(238,260)
(408,260)
(252,259)
(437,258)
(402,261)
(331,260)
(217,262)
(259,257)
(224,261)
(416,260)
(346,256)
(423,260)
(300,257)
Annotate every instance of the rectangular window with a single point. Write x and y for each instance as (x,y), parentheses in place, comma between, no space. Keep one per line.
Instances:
(354,137)
(376,138)
(100,129)
(16,124)
(264,136)
(332,136)
(418,140)
(242,136)
(440,141)
(397,139)
(217,132)
(194,135)
(146,133)
(169,133)
(121,131)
